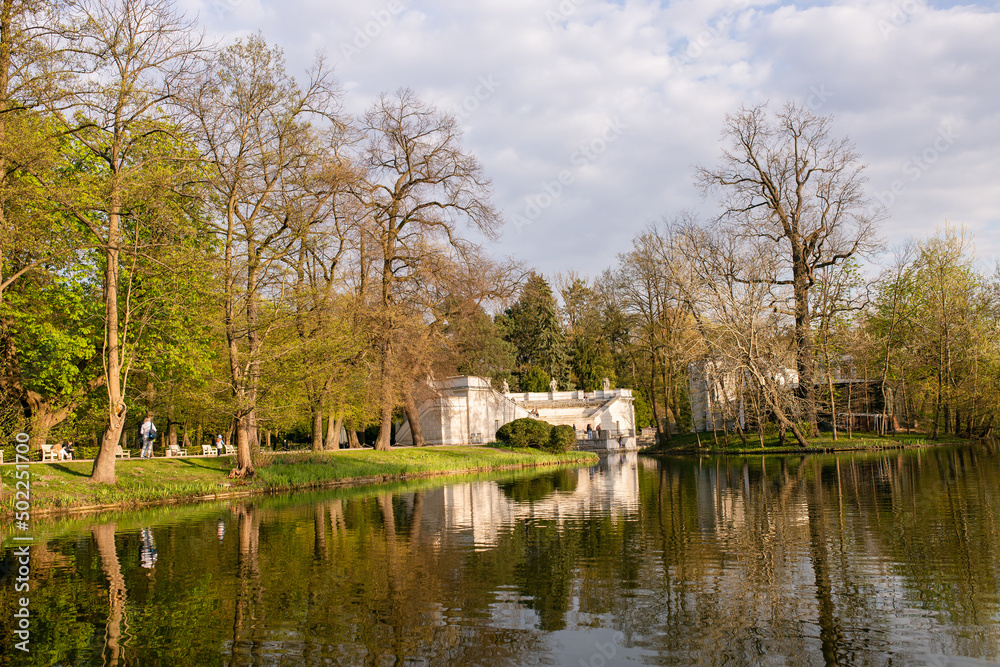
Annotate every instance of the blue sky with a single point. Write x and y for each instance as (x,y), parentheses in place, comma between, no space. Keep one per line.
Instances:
(623,99)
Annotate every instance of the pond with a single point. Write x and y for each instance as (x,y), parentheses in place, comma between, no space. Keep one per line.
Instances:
(889,558)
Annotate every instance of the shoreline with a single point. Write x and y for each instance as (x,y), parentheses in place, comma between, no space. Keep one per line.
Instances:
(293,471)
(867,443)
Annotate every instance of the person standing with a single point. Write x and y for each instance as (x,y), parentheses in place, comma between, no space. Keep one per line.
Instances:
(148,433)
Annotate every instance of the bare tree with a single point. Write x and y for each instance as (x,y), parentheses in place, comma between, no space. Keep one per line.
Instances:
(789,186)
(838,295)
(420,186)
(725,287)
(661,322)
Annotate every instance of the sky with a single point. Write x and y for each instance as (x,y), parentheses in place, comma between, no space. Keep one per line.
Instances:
(590,116)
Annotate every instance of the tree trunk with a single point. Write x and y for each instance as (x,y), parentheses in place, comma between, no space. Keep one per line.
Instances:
(244,434)
(352,434)
(666,402)
(833,397)
(652,400)
(803,337)
(104,538)
(104,464)
(382,443)
(317,409)
(413,417)
(333,429)
(172,434)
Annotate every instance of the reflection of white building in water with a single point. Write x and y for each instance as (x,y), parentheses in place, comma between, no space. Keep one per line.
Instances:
(467,410)
(481,511)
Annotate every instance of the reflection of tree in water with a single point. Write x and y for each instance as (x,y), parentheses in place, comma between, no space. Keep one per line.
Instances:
(249,591)
(104,538)
(546,573)
(753,549)
(724,561)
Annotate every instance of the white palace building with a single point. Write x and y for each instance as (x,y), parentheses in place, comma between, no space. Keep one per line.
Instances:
(467,410)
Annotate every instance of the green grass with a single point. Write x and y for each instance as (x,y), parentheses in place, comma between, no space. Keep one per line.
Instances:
(689,442)
(65,485)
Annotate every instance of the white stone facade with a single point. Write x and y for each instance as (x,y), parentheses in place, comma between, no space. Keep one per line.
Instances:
(467,410)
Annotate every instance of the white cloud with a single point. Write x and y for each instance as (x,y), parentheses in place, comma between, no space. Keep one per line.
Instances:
(894,73)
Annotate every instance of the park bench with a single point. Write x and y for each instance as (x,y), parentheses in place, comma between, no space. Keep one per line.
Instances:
(209,450)
(122,453)
(48,454)
(175,451)
(230,450)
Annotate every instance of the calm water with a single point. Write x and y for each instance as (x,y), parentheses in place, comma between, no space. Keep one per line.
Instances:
(854,559)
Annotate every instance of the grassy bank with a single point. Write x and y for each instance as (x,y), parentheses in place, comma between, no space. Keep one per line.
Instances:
(64,486)
(705,443)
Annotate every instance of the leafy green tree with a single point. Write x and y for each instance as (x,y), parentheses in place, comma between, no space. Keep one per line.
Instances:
(134,166)
(474,342)
(591,358)
(535,379)
(56,317)
(956,338)
(254,126)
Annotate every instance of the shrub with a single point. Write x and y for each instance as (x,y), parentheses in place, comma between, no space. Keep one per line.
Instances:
(561,438)
(525,432)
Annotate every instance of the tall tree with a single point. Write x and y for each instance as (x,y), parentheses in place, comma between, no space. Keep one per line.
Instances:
(136,50)
(787,184)
(420,186)
(533,326)
(590,354)
(253,120)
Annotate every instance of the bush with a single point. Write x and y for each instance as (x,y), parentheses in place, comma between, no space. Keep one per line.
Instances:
(525,432)
(561,438)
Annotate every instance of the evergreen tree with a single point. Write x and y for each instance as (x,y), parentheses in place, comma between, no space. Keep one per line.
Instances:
(532,325)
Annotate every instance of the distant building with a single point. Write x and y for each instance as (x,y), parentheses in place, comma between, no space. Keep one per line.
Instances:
(717,396)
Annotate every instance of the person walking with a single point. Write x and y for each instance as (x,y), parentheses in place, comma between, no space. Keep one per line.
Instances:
(148,433)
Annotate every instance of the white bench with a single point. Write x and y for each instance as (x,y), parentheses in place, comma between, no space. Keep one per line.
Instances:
(122,453)
(230,450)
(48,454)
(209,450)
(176,451)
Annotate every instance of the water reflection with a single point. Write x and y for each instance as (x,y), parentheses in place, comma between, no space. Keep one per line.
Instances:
(849,559)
